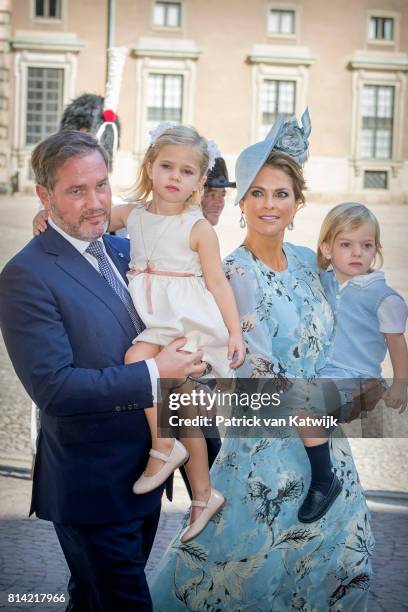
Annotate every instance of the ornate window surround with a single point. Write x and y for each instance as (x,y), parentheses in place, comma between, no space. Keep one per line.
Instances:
(163,56)
(23,59)
(49,20)
(170,29)
(371,68)
(286,63)
(386,44)
(282,6)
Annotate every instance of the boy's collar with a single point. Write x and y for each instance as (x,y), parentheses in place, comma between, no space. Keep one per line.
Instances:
(361,280)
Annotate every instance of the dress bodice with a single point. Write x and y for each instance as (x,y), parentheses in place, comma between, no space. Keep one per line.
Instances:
(163,240)
(286,319)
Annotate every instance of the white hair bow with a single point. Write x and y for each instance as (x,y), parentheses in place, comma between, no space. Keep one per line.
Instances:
(159,130)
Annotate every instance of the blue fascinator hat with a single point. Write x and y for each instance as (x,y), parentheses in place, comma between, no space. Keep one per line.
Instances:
(284,136)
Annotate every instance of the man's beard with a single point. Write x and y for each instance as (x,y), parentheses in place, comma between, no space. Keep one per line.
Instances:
(75,229)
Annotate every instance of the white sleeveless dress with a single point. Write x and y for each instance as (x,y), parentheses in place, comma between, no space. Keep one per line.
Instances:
(176,303)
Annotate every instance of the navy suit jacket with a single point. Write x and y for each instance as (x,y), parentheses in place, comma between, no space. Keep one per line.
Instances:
(67,332)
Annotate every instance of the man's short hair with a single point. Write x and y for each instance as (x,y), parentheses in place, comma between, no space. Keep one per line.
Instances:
(50,154)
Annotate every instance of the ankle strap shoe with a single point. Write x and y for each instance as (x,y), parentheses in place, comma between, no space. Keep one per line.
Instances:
(178,456)
(211,507)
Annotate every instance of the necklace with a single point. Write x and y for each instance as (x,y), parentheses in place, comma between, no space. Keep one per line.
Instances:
(158,237)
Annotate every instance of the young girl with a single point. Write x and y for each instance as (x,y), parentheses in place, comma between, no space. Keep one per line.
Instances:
(369,318)
(179,289)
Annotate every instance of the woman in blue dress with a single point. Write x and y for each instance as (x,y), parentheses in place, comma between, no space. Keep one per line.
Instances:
(255,555)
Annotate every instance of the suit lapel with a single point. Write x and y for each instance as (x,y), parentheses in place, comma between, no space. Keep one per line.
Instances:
(81,271)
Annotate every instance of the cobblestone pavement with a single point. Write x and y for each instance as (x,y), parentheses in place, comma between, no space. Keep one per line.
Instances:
(30,558)
(32,562)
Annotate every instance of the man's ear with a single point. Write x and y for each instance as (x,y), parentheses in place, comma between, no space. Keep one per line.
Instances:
(325,250)
(44,196)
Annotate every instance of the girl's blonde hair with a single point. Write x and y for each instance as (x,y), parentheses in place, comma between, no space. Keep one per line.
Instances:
(175,135)
(347,217)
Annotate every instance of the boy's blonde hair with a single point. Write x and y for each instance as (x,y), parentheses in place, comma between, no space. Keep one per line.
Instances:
(346,217)
(175,135)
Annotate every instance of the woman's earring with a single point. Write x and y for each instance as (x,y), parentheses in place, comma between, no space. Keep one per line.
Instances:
(242,222)
(291,226)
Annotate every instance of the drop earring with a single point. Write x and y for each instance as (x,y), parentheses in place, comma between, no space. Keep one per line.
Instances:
(290,225)
(242,222)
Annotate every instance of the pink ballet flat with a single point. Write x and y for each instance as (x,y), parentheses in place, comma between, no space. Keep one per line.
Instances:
(178,456)
(214,504)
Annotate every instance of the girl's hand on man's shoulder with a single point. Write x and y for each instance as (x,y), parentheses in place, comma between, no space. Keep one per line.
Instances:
(40,222)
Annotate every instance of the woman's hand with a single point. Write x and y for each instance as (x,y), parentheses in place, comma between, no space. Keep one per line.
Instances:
(396,396)
(40,222)
(236,350)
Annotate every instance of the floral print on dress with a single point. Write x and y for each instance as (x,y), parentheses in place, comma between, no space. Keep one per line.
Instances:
(255,556)
(290,309)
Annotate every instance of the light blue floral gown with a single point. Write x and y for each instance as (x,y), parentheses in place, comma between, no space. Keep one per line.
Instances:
(255,555)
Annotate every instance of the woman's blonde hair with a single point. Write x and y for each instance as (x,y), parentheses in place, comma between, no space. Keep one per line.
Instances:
(175,135)
(347,217)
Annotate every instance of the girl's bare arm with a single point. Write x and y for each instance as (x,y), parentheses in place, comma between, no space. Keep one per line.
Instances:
(204,240)
(119,216)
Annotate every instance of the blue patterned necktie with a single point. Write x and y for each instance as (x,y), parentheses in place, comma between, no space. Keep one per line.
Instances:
(96,249)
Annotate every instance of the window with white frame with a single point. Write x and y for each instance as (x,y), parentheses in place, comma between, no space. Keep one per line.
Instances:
(281,21)
(381,28)
(44,102)
(48,9)
(167,14)
(164,98)
(277,96)
(165,88)
(377,121)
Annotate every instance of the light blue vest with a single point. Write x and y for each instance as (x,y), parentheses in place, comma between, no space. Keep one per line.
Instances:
(357,345)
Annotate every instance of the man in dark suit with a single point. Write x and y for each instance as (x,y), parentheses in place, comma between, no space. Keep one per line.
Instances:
(67,322)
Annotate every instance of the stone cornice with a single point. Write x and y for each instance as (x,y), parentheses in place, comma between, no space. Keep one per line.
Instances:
(292,55)
(46,42)
(374,60)
(166,48)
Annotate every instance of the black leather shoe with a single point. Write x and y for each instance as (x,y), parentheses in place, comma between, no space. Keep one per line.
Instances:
(316,504)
